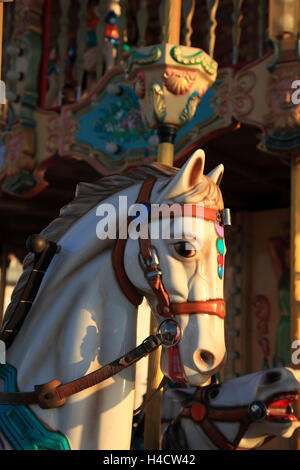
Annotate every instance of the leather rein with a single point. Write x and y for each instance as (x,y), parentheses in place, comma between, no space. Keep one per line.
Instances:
(54,394)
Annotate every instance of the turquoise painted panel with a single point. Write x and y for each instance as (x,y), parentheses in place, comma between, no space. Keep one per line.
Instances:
(118,120)
(114,119)
(19,424)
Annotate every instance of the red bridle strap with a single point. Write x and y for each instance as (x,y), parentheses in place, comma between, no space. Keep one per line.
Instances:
(193,210)
(128,289)
(205,415)
(211,307)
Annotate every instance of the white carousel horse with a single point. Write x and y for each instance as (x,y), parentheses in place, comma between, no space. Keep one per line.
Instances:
(82,318)
(240,413)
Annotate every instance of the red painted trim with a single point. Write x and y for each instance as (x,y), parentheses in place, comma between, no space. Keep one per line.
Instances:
(45,54)
(175,365)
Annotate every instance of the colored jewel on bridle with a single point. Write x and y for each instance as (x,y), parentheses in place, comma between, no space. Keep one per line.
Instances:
(220,249)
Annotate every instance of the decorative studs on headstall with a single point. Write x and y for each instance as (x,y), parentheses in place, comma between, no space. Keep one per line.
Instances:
(224,218)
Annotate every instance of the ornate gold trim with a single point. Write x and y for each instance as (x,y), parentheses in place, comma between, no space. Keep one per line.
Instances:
(138,58)
(158,102)
(199,58)
(190,108)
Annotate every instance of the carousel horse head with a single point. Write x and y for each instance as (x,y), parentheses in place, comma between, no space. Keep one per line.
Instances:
(242,413)
(190,262)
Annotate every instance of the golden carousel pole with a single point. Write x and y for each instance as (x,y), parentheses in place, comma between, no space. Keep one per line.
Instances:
(165,155)
(295,268)
(171,35)
(169,80)
(1,30)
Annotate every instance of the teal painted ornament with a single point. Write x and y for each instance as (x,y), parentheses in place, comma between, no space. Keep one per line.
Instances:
(220,246)
(220,259)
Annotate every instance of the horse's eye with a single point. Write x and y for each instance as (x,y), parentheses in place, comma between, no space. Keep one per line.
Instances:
(185,249)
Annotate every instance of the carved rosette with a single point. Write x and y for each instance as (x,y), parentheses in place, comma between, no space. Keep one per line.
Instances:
(170,81)
(284,114)
(60,132)
(17,152)
(237,98)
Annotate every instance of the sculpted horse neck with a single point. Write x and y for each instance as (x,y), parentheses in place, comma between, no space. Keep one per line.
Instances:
(82,318)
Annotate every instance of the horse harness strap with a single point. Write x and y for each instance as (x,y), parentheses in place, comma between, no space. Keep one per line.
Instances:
(225,415)
(163,382)
(205,415)
(129,290)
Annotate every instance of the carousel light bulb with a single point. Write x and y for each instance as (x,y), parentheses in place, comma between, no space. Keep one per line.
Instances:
(111,147)
(287,23)
(283,18)
(12,97)
(14,51)
(153,141)
(13,75)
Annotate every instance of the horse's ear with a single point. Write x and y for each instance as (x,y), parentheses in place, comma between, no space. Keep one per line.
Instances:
(216,174)
(188,177)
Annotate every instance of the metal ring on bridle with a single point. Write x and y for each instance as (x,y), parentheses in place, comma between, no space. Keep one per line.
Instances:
(170,332)
(257,411)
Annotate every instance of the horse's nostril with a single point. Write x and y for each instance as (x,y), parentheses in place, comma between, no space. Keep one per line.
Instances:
(272,376)
(206,358)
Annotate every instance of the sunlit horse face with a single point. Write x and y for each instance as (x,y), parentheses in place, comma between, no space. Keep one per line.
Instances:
(189,265)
